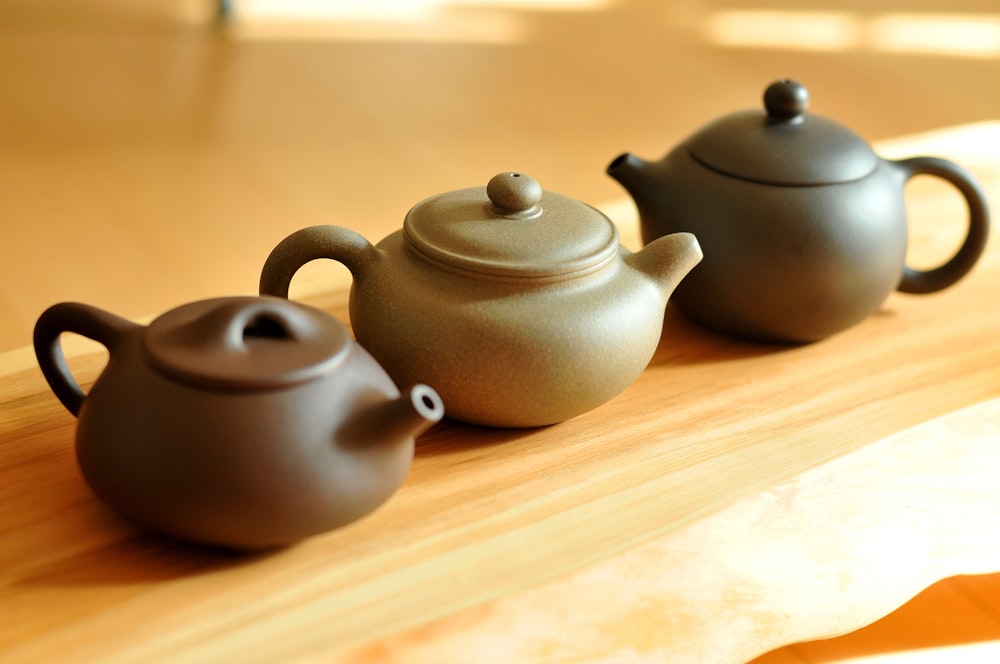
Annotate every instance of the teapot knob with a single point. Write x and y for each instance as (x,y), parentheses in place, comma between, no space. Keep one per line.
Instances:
(786,101)
(514,192)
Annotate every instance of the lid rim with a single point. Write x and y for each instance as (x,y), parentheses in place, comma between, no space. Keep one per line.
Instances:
(811,150)
(498,270)
(775,182)
(555,237)
(209,383)
(178,348)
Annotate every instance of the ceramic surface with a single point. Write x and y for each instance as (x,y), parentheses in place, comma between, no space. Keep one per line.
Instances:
(519,305)
(804,227)
(240,422)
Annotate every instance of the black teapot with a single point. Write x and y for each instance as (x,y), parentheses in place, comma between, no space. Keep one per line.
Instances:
(803,226)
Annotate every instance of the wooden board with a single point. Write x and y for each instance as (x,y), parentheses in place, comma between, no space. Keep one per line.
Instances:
(484,514)
(149,162)
(495,527)
(822,554)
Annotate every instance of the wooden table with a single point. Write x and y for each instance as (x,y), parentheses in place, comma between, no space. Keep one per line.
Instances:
(735,498)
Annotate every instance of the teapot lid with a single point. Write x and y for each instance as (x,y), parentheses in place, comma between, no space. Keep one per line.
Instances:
(511,228)
(783,145)
(245,343)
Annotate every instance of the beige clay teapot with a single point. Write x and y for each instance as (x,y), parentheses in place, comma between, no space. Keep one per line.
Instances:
(804,227)
(242,422)
(519,305)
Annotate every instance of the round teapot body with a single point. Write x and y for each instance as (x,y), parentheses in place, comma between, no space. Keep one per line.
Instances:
(519,305)
(239,469)
(803,225)
(782,263)
(238,422)
(508,351)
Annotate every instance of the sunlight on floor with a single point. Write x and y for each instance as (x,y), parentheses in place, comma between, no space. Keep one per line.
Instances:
(803,30)
(508,22)
(944,34)
(975,144)
(958,35)
(314,10)
(394,20)
(394,9)
(478,28)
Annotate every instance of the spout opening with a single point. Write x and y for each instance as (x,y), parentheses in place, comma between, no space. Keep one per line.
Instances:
(617,162)
(426,402)
(401,418)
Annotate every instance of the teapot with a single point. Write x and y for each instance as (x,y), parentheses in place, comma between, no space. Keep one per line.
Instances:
(804,227)
(519,305)
(241,422)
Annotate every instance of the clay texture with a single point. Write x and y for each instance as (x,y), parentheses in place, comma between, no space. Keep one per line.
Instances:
(239,422)
(519,305)
(803,226)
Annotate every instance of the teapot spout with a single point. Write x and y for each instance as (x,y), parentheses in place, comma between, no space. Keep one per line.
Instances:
(402,418)
(668,259)
(636,175)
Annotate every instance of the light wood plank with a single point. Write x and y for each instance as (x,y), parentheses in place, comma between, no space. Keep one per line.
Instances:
(148,162)
(486,514)
(826,553)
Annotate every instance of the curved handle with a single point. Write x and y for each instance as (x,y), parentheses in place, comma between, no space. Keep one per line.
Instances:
(929,281)
(333,242)
(83,319)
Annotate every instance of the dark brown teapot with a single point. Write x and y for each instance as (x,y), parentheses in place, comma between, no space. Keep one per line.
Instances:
(244,422)
(803,226)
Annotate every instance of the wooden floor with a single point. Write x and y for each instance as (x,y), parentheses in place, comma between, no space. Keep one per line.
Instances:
(138,130)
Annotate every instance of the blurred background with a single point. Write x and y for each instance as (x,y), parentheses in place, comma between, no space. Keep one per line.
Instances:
(152,153)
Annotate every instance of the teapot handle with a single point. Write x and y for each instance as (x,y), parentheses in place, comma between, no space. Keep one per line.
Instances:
(929,281)
(106,328)
(333,242)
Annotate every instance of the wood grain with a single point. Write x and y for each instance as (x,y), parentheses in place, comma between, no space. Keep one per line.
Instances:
(822,554)
(484,513)
(147,163)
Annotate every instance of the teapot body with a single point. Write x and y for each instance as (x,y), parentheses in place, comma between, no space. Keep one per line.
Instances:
(789,264)
(246,423)
(519,305)
(244,470)
(803,225)
(511,352)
